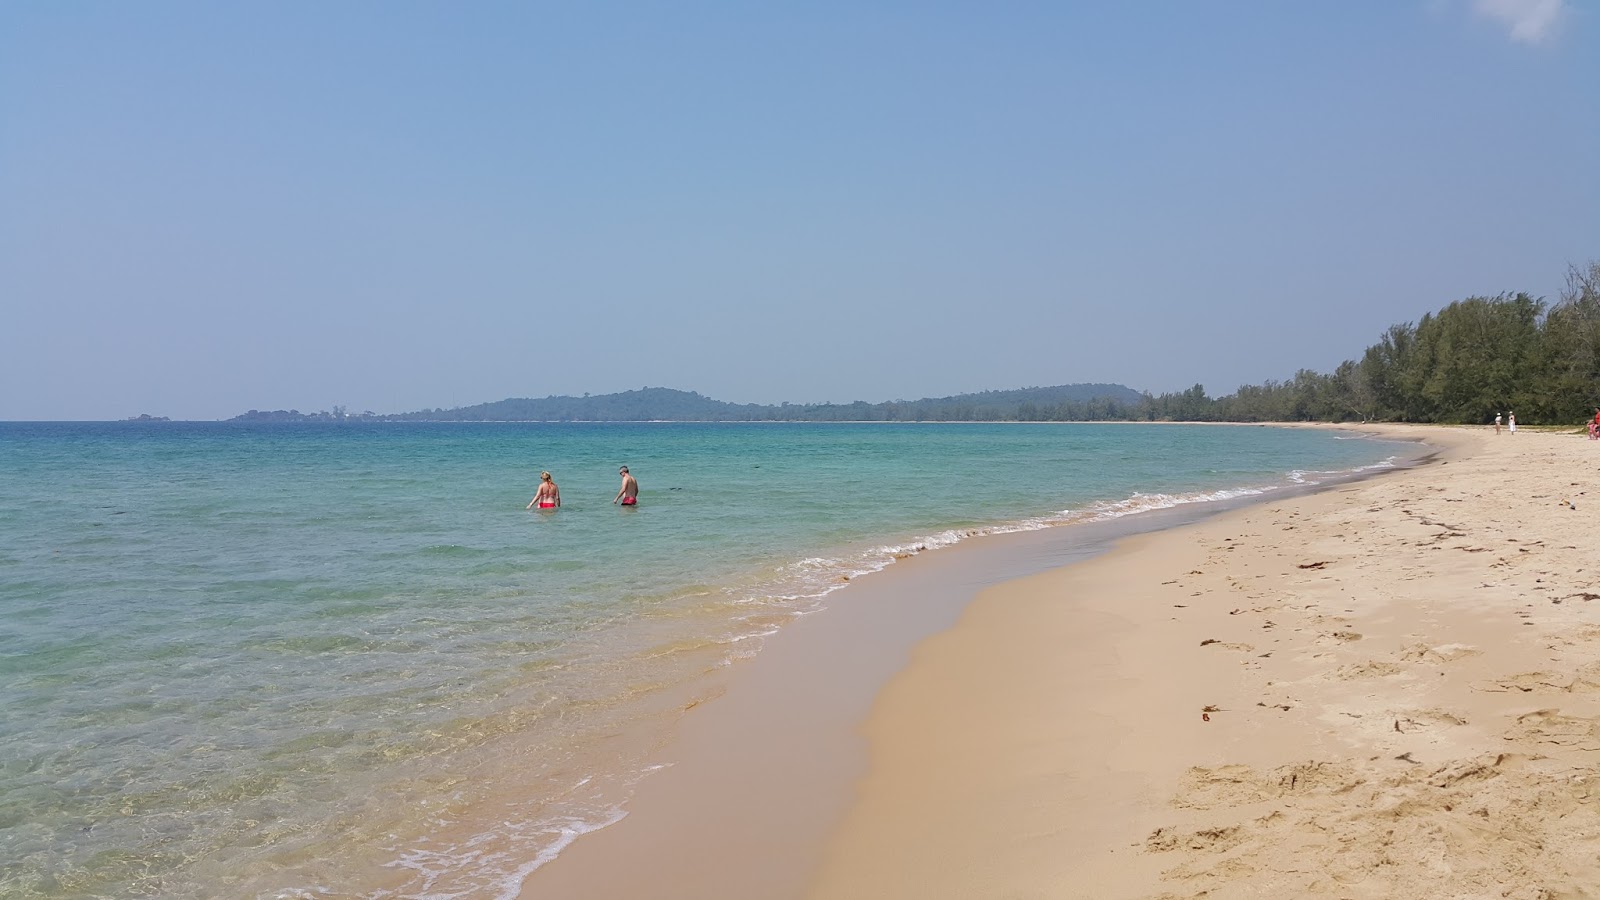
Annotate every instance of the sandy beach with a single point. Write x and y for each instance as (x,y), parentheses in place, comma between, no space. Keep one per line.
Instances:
(1388,689)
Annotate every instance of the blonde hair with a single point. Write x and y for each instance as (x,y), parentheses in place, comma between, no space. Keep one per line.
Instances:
(544,476)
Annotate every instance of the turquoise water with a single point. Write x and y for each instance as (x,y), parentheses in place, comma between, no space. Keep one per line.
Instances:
(324,660)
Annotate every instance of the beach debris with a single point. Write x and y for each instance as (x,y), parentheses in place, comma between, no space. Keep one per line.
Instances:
(1315,565)
(1205,717)
(1406,757)
(1210,641)
(1180,605)
(1211,709)
(1234,612)
(1196,572)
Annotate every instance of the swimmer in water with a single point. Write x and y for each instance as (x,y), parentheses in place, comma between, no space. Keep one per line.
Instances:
(548,496)
(629,495)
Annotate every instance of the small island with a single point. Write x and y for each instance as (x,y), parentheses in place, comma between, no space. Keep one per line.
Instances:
(337,414)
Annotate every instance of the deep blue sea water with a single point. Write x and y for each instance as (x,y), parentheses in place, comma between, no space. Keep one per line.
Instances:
(343,660)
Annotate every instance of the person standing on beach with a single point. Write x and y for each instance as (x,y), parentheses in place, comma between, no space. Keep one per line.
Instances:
(1594,427)
(548,496)
(629,495)
(1496,423)
(1511,422)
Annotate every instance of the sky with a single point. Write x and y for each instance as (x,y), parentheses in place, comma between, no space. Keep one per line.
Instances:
(207,208)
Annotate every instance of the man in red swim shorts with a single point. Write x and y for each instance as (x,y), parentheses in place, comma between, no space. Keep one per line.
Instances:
(629,495)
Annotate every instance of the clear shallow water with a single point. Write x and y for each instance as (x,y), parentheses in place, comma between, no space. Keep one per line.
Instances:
(322,660)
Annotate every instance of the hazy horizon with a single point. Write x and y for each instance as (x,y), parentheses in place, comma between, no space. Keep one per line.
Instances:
(209,209)
(353,411)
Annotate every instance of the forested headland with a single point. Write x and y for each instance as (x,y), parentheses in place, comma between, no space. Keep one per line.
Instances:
(1460,365)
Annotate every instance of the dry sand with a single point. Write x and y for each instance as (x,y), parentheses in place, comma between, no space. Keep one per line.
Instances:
(1389,689)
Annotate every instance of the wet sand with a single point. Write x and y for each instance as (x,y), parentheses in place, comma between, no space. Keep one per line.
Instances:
(754,780)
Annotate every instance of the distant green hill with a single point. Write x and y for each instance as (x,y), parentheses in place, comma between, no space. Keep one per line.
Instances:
(665,404)
(1063,402)
(644,405)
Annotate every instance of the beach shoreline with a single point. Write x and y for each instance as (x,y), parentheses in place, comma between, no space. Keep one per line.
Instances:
(764,773)
(374,672)
(1388,689)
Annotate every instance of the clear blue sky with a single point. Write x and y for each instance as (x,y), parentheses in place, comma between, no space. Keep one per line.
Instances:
(211,207)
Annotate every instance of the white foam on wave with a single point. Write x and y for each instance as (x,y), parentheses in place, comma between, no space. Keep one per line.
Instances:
(809,581)
(566,832)
(496,860)
(1302,476)
(1142,503)
(803,585)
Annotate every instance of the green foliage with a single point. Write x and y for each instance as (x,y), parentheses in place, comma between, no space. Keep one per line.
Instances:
(1462,364)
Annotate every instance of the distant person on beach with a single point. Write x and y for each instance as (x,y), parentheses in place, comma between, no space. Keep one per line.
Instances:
(1511,422)
(1594,426)
(629,495)
(1496,423)
(548,496)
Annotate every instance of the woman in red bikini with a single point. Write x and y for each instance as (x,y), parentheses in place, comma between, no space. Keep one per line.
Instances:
(548,495)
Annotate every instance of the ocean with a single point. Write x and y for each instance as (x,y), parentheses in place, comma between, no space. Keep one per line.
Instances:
(331,660)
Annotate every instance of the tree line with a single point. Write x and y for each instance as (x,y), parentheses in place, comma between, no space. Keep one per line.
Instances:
(1460,365)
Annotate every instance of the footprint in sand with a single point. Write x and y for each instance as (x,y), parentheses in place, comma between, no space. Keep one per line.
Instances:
(1409,721)
(1368,669)
(1212,869)
(1549,726)
(1227,645)
(1441,653)
(1209,787)
(1586,681)
(1526,682)
(1164,840)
